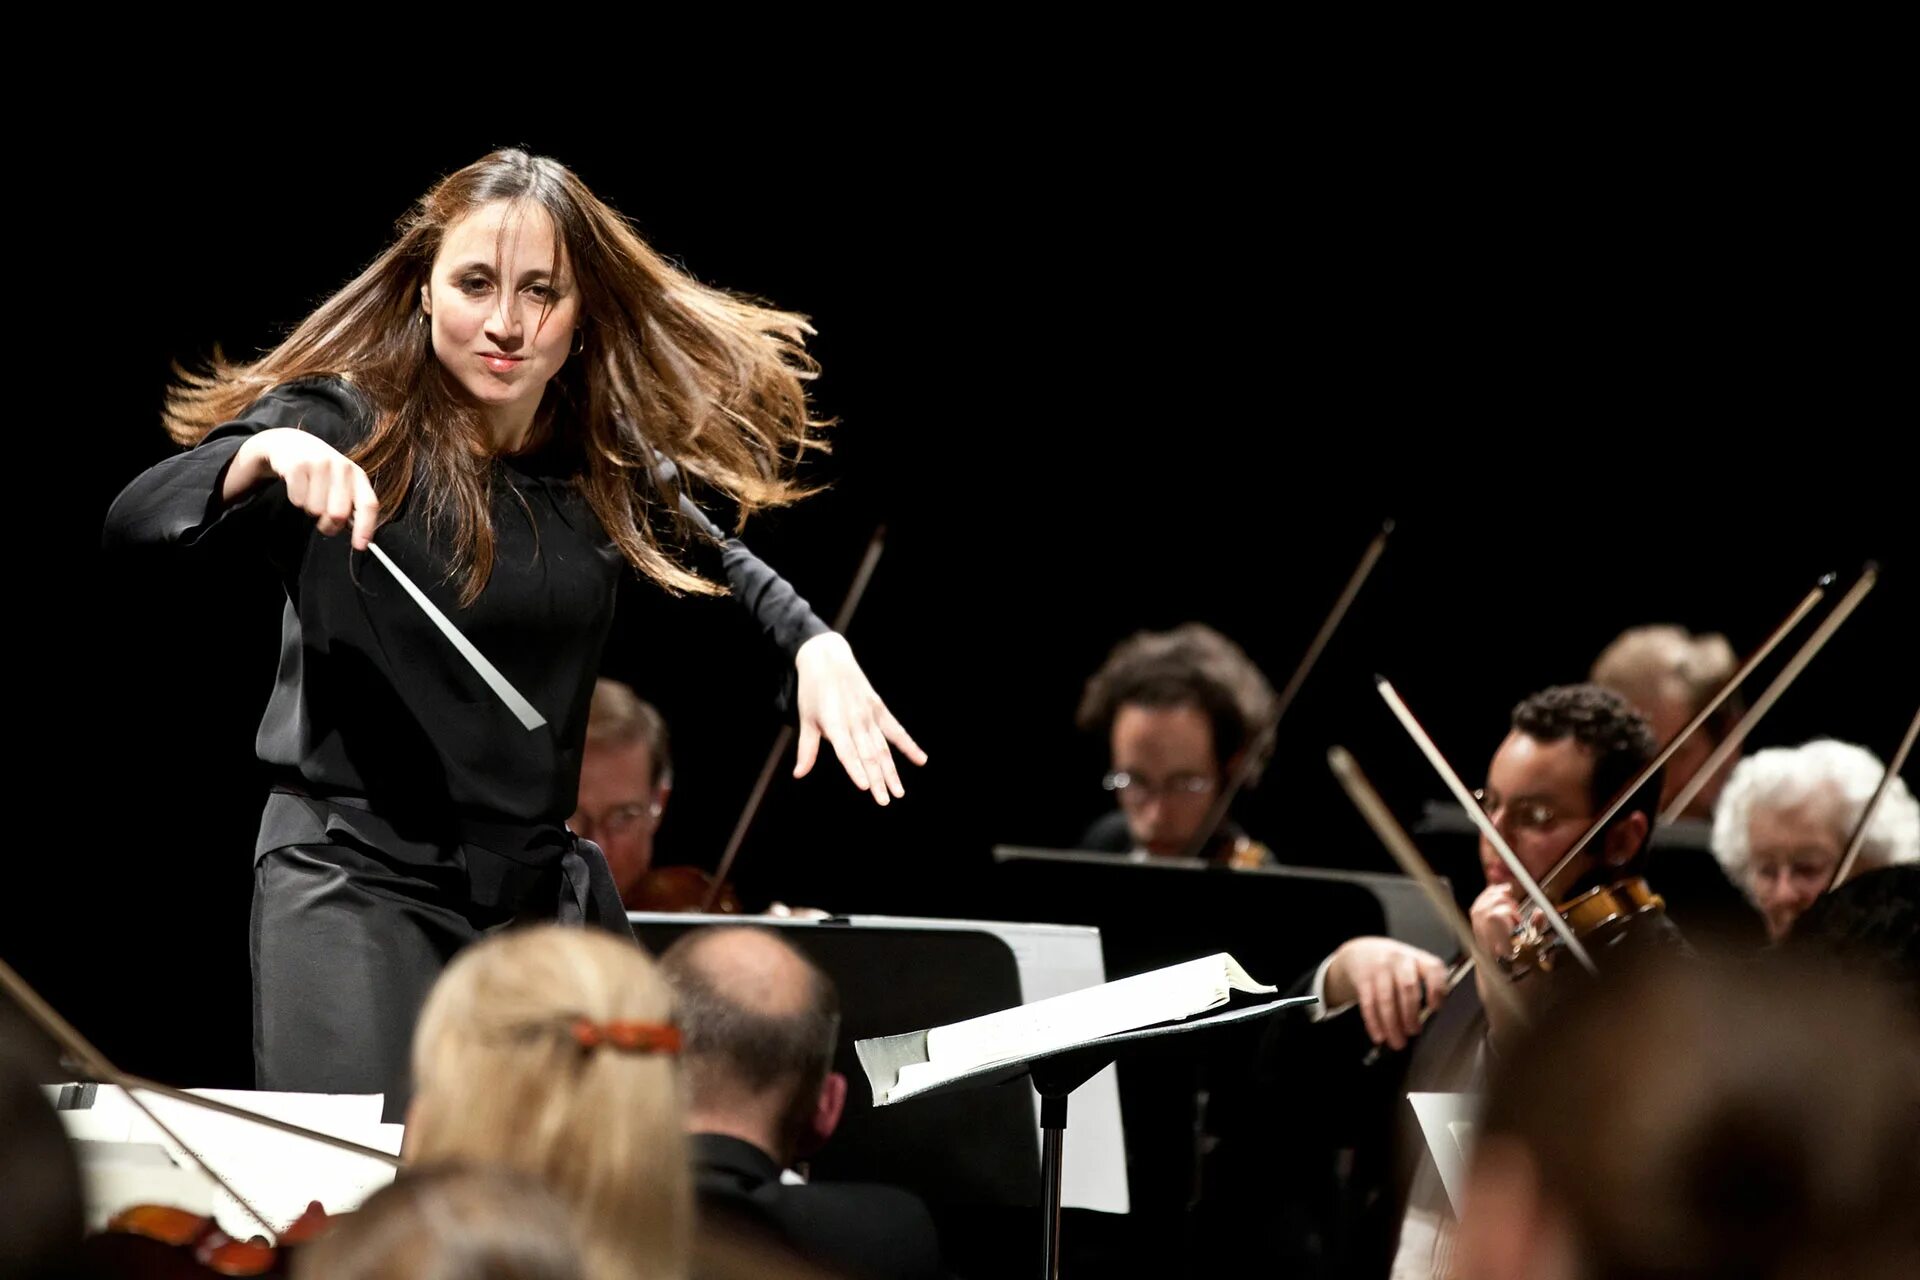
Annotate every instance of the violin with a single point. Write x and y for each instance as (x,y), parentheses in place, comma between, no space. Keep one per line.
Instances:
(689,889)
(1859,836)
(1600,918)
(1604,915)
(1241,857)
(159,1241)
(1729,746)
(1624,900)
(682,889)
(163,1241)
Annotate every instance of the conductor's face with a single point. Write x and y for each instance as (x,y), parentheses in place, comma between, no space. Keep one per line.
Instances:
(1164,756)
(502,306)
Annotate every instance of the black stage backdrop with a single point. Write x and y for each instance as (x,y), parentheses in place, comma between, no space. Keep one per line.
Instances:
(1101,369)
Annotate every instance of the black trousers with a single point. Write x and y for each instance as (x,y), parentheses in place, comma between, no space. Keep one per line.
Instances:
(348,939)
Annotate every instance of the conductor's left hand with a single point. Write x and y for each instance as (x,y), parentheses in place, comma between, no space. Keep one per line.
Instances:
(838,703)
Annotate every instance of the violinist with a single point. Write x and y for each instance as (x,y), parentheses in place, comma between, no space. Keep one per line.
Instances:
(626,778)
(1669,675)
(1786,816)
(1179,710)
(1569,751)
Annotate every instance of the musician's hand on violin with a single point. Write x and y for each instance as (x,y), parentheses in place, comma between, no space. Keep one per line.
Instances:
(1495,914)
(1393,983)
(321,481)
(838,703)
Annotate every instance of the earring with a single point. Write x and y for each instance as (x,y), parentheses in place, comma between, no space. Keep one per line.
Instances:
(579,339)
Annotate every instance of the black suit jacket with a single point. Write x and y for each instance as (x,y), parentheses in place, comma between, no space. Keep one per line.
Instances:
(863,1229)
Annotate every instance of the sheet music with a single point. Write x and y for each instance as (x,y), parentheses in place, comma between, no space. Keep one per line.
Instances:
(1053,960)
(116,1174)
(1177,991)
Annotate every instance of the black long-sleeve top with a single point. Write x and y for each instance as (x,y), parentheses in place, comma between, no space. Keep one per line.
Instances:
(371,703)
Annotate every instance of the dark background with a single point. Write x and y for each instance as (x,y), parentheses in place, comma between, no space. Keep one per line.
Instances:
(1103,363)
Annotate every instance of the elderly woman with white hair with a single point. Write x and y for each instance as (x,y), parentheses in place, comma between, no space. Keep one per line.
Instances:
(1786,815)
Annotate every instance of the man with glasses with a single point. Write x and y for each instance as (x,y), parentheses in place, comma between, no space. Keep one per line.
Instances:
(1568,752)
(1667,673)
(626,775)
(1179,710)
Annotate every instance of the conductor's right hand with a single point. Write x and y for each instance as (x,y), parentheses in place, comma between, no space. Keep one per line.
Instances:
(321,481)
(1390,981)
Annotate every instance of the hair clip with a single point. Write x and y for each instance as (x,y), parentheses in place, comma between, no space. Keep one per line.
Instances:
(629,1037)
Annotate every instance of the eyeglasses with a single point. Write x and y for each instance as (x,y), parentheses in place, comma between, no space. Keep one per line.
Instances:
(1528,814)
(1132,789)
(617,820)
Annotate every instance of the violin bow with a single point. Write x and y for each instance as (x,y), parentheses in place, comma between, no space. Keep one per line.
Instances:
(784,739)
(1479,815)
(1515,868)
(91,1061)
(1252,757)
(1859,836)
(1367,800)
(1705,713)
(1788,674)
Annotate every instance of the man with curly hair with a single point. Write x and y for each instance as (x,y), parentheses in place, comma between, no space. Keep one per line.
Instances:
(1569,750)
(1180,710)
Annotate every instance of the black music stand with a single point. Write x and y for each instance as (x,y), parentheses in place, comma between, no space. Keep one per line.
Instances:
(1276,922)
(1055,1075)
